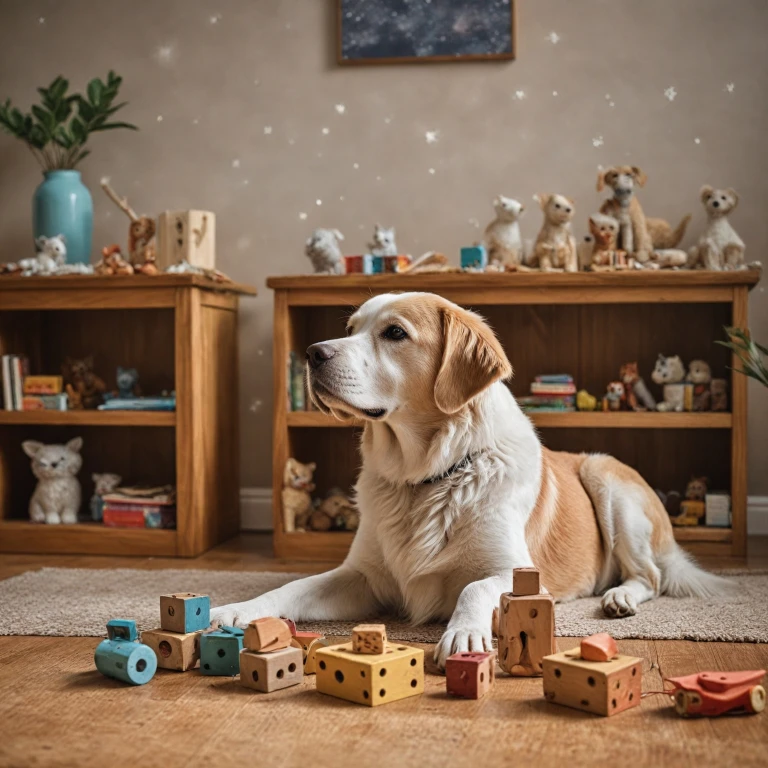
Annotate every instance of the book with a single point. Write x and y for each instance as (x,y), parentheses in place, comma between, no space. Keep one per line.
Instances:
(296,383)
(20,371)
(156,495)
(141,515)
(541,401)
(555,378)
(7,385)
(139,404)
(43,385)
(542,388)
(45,402)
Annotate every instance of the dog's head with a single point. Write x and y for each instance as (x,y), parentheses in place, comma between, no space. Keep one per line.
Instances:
(621,179)
(718,202)
(605,229)
(558,209)
(508,209)
(405,354)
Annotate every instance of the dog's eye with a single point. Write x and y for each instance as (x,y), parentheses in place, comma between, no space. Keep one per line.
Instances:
(557,205)
(395,333)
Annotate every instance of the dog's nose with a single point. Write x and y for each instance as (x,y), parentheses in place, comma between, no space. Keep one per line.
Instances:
(716,204)
(317,354)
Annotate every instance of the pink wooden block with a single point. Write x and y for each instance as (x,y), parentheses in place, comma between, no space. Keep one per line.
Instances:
(599,647)
(470,675)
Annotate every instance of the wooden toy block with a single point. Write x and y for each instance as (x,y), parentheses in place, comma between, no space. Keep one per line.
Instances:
(525,581)
(220,651)
(310,662)
(599,647)
(304,641)
(370,679)
(474,257)
(271,671)
(186,235)
(174,651)
(291,625)
(185,612)
(125,660)
(268,634)
(601,687)
(369,638)
(470,675)
(526,633)
(122,629)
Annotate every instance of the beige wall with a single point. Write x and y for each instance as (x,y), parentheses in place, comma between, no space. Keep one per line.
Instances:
(206,79)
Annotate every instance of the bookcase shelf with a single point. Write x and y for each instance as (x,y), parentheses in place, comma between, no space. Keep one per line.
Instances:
(91,418)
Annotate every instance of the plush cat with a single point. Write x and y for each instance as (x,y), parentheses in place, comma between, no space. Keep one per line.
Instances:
(56,498)
(127,382)
(297,502)
(502,236)
(383,242)
(323,251)
(104,483)
(670,373)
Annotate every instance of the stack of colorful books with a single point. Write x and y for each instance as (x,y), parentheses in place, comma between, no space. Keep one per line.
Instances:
(22,392)
(554,393)
(140,507)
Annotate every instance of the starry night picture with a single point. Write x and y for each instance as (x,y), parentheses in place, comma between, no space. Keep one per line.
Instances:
(393,31)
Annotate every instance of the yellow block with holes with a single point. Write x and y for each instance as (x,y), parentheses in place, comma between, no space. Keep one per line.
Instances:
(370,679)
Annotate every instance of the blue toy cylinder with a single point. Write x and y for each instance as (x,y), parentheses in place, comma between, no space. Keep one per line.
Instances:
(62,205)
(130,662)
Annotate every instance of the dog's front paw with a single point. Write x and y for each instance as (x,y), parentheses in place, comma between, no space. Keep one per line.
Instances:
(461,640)
(239,614)
(619,603)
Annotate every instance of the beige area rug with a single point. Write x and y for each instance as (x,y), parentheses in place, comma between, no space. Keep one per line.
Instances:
(79,602)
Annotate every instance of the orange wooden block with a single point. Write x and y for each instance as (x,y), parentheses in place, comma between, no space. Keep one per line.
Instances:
(599,647)
(525,581)
(266,635)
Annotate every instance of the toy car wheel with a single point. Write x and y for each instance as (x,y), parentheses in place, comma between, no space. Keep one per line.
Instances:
(757,698)
(682,701)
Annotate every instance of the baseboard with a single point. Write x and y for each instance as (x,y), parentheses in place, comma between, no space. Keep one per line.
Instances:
(256,511)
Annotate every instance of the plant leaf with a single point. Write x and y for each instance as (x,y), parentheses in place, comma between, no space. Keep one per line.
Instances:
(95,90)
(81,156)
(78,130)
(111,126)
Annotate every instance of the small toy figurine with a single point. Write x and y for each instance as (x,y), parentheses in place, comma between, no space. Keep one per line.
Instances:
(128,382)
(324,252)
(710,694)
(297,503)
(474,258)
(88,387)
(51,256)
(692,507)
(104,483)
(606,257)
(555,247)
(636,389)
(141,246)
(383,242)
(670,373)
(615,397)
(718,389)
(502,236)
(700,375)
(112,262)
(335,511)
(585,401)
(56,499)
(121,657)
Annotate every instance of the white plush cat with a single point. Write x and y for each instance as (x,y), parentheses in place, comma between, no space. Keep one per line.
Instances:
(383,242)
(502,235)
(56,498)
(324,252)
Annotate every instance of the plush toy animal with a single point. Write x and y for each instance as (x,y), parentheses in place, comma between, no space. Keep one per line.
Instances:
(638,236)
(104,483)
(502,236)
(324,252)
(585,401)
(719,246)
(555,247)
(605,255)
(56,499)
(383,242)
(335,511)
(297,503)
(51,255)
(615,397)
(79,376)
(638,396)
(127,382)
(700,375)
(112,262)
(696,490)
(669,372)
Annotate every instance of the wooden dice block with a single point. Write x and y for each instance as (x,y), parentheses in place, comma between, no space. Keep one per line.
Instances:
(220,651)
(525,581)
(304,641)
(186,235)
(174,651)
(265,635)
(602,687)
(185,612)
(369,638)
(271,671)
(122,629)
(470,675)
(599,647)
(526,633)
(369,679)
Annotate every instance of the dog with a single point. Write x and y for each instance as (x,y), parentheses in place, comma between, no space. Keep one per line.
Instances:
(604,232)
(555,247)
(456,490)
(638,235)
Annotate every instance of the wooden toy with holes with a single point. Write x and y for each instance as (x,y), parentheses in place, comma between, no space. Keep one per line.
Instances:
(369,638)
(121,657)
(370,679)
(220,651)
(308,643)
(526,625)
(185,612)
(272,670)
(470,675)
(267,634)
(604,687)
(179,652)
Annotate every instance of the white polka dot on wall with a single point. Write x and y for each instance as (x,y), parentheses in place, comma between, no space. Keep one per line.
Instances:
(519,95)
(165,54)
(159,118)
(356,165)
(243,243)
(554,93)
(215,19)
(670,93)
(303,216)
(387,120)
(598,141)
(257,82)
(697,140)
(730,87)
(267,130)
(196,121)
(255,405)
(326,131)
(260,352)
(553,38)
(318,201)
(41,20)
(340,108)
(432,136)
(236,163)
(432,171)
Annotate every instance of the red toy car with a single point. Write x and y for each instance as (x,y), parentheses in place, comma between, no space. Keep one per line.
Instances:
(708,694)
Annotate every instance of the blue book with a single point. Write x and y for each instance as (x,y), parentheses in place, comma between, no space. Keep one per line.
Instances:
(139,404)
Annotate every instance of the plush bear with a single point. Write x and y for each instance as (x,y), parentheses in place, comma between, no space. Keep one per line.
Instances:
(104,483)
(700,375)
(383,242)
(670,373)
(335,511)
(80,379)
(502,236)
(56,499)
(297,502)
(324,252)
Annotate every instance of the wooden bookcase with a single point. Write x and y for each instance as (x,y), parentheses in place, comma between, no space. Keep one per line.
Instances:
(179,332)
(586,324)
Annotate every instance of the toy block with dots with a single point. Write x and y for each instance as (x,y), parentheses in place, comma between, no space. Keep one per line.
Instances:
(470,675)
(267,634)
(121,657)
(185,612)
(308,643)
(369,638)
(220,651)
(526,625)
(272,671)
(370,679)
(179,652)
(605,687)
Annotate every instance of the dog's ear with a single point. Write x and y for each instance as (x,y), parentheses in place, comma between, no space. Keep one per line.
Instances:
(640,177)
(543,200)
(705,193)
(473,359)
(601,180)
(734,194)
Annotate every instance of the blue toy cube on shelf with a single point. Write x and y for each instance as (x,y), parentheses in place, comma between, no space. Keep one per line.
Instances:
(122,629)
(220,651)
(474,257)
(377,264)
(185,612)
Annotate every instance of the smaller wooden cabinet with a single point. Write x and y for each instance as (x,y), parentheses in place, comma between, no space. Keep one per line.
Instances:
(180,333)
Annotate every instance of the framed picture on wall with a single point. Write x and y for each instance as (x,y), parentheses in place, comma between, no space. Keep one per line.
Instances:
(402,31)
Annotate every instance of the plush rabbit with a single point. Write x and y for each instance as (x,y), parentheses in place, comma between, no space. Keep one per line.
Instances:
(57,496)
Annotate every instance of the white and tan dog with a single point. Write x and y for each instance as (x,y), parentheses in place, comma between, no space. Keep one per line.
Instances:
(456,490)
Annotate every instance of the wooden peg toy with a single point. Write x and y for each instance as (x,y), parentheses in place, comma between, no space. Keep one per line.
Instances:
(185,612)
(526,626)
(125,660)
(370,679)
(470,675)
(122,629)
(220,651)
(268,634)
(174,651)
(303,641)
(272,671)
(369,638)
(599,647)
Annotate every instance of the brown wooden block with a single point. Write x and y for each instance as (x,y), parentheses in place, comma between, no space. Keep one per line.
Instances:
(525,581)
(185,612)
(369,638)
(470,675)
(271,671)
(526,633)
(179,652)
(599,647)
(602,687)
(268,634)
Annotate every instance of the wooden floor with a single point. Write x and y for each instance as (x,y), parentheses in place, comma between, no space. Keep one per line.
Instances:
(56,710)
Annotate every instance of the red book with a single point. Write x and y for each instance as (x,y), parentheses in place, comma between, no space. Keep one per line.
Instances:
(121,518)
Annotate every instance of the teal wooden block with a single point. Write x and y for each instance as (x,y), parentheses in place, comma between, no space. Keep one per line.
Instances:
(125,660)
(220,651)
(474,257)
(122,629)
(185,612)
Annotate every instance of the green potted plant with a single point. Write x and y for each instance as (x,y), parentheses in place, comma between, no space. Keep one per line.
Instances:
(749,352)
(56,132)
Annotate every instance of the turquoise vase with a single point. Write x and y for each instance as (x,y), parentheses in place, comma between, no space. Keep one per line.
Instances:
(62,205)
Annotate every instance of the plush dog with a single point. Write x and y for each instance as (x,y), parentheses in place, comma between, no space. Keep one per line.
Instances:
(555,247)
(638,236)
(383,242)
(56,498)
(502,236)
(324,252)
(604,231)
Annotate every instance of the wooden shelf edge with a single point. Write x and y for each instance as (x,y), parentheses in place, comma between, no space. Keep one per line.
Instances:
(313,545)
(90,418)
(703,533)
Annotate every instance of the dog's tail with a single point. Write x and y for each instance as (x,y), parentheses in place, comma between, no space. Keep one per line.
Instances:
(671,239)
(682,577)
